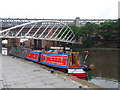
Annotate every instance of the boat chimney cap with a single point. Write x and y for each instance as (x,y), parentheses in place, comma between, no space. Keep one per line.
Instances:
(86,52)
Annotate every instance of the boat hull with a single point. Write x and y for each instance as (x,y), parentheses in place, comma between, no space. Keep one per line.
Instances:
(59,61)
(33,56)
(78,72)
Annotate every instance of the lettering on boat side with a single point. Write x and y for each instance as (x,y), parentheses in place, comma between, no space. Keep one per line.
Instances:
(54,59)
(32,56)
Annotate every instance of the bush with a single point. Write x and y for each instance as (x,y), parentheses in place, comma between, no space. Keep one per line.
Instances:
(87,42)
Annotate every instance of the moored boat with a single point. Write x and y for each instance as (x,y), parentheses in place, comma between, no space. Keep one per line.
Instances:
(63,59)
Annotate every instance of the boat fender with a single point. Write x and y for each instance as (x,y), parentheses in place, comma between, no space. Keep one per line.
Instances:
(91,67)
(87,69)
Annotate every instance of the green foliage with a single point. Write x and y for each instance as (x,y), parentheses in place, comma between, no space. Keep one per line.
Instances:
(91,30)
(109,29)
(90,27)
(87,42)
(80,87)
(76,30)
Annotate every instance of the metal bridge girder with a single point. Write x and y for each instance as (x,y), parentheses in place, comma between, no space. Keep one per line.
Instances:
(41,30)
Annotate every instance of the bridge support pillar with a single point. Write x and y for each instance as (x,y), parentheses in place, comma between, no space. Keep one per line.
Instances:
(55,44)
(37,44)
(13,42)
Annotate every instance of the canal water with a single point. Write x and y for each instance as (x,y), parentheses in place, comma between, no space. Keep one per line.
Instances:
(106,66)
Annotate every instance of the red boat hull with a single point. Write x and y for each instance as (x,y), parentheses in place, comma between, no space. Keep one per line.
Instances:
(81,76)
(80,73)
(62,61)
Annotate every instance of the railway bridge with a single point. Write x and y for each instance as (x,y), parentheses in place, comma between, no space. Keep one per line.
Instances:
(41,32)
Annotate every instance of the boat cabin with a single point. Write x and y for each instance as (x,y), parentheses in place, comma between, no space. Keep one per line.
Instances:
(74,60)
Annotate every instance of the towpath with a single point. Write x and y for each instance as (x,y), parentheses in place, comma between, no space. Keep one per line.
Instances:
(21,73)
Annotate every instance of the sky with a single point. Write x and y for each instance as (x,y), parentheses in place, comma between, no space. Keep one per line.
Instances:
(59,9)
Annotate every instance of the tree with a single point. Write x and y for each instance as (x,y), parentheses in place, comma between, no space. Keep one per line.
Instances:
(91,30)
(109,29)
(76,30)
(85,32)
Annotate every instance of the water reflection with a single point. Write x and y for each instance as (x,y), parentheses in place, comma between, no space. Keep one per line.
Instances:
(106,65)
(106,83)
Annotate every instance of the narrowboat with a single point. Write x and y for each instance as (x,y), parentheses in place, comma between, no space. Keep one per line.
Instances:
(61,58)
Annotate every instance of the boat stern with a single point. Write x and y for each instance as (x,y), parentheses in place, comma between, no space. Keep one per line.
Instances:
(78,72)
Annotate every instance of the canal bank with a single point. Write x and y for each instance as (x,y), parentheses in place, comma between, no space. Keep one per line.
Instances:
(21,73)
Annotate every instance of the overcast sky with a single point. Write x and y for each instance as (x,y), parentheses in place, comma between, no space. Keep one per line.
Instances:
(59,9)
